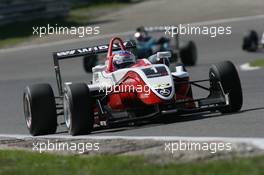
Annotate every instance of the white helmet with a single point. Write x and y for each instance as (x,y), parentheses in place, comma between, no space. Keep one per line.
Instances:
(123,59)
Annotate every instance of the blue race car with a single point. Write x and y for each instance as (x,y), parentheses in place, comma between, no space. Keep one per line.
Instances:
(148,45)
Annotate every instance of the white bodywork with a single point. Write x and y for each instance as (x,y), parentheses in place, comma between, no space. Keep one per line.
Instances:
(103,80)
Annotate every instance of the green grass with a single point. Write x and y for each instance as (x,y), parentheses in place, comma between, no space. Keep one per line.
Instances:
(259,63)
(11,41)
(18,32)
(20,162)
(85,14)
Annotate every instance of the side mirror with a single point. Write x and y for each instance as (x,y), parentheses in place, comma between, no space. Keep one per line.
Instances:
(161,55)
(164,57)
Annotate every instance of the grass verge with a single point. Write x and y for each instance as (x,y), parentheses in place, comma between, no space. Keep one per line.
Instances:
(18,32)
(258,62)
(20,162)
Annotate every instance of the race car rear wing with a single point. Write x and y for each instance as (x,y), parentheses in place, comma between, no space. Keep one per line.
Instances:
(156,28)
(90,50)
(71,53)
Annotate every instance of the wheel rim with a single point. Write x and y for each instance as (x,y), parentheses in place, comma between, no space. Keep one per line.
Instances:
(67,111)
(27,110)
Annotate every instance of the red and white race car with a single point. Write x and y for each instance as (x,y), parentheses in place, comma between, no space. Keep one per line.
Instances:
(126,89)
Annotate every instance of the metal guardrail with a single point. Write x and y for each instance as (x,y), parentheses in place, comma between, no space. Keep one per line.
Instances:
(26,11)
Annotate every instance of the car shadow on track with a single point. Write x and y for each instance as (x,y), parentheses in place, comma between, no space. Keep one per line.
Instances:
(200,116)
(170,119)
(165,120)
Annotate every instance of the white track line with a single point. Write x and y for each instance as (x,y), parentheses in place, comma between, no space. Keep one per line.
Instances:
(247,67)
(258,142)
(70,41)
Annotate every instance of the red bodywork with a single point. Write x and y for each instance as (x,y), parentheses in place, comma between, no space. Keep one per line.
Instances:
(127,99)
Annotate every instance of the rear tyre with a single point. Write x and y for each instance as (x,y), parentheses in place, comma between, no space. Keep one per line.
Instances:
(89,62)
(226,73)
(78,109)
(250,41)
(188,54)
(40,109)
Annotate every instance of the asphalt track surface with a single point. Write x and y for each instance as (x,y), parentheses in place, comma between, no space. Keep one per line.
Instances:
(33,64)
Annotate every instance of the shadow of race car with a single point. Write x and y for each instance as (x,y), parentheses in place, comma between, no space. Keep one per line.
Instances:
(139,90)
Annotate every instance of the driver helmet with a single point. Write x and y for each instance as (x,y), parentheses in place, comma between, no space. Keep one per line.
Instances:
(141,34)
(123,59)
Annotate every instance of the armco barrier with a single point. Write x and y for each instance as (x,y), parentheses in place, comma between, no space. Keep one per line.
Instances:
(25,11)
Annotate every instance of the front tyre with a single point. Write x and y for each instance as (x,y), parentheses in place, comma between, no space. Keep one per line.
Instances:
(188,54)
(40,109)
(226,73)
(78,109)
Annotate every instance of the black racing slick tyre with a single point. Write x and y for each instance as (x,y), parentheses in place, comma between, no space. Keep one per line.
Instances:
(188,54)
(89,62)
(250,41)
(40,109)
(226,73)
(78,109)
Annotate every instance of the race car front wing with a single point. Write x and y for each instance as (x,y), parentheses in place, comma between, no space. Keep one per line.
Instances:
(216,100)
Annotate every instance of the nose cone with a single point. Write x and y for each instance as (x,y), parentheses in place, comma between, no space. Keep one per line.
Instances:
(160,81)
(165,92)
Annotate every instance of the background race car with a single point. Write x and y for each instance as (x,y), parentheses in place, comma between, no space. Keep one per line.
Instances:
(252,41)
(148,45)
